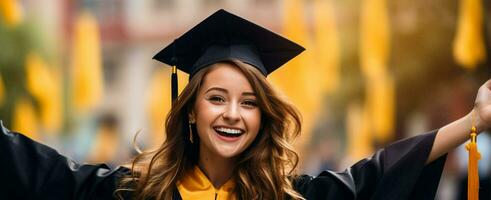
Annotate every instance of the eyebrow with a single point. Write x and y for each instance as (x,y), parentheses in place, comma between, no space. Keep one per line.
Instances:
(226,91)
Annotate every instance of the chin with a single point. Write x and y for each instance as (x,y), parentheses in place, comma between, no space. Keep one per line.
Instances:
(227,151)
(228,154)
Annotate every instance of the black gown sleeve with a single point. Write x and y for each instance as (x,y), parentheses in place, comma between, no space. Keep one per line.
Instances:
(30,170)
(395,172)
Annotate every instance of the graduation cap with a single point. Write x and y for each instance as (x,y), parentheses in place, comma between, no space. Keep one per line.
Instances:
(224,36)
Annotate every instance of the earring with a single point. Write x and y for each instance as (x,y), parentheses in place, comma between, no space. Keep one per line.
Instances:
(190,132)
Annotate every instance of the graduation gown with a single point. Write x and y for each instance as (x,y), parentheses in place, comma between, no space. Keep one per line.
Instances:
(30,170)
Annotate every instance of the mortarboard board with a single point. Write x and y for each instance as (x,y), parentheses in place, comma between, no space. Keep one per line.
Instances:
(225,36)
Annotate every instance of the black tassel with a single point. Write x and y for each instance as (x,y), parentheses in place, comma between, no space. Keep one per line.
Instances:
(174,85)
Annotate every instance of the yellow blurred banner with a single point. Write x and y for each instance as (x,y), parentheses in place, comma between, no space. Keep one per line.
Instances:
(359,139)
(297,80)
(374,57)
(290,78)
(326,46)
(24,119)
(45,86)
(159,102)
(380,103)
(374,37)
(11,12)
(468,47)
(87,74)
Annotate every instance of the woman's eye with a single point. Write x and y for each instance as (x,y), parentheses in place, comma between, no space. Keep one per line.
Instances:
(250,103)
(216,99)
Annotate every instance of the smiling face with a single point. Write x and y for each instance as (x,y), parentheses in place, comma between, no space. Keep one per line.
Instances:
(225,112)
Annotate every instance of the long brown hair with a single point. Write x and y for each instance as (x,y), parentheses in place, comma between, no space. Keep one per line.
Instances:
(264,170)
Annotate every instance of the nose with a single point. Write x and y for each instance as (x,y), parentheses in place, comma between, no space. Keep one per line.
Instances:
(232,113)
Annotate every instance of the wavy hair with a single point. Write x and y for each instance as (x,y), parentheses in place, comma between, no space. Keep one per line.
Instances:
(264,170)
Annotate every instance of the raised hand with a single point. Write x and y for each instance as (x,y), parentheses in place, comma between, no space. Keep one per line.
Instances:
(457,132)
(482,107)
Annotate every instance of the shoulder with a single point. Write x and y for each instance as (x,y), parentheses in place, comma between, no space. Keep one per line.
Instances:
(327,185)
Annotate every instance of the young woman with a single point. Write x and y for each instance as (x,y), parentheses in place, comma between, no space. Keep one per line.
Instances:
(228,137)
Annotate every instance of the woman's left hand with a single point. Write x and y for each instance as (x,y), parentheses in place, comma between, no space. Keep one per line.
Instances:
(454,134)
(482,107)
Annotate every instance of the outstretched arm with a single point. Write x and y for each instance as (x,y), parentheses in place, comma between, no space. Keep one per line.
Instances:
(31,170)
(415,164)
(457,132)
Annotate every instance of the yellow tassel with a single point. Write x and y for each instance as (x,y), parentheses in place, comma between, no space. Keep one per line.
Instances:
(473,173)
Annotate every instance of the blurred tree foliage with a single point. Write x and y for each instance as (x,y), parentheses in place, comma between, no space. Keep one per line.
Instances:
(15,43)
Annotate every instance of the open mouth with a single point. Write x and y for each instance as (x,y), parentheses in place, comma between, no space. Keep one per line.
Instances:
(229,132)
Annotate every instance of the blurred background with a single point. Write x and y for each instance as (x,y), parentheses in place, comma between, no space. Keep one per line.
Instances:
(77,75)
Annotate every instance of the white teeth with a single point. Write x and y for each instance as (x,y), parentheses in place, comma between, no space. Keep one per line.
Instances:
(229,130)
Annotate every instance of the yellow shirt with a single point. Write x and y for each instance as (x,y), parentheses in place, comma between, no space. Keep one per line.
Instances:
(195,185)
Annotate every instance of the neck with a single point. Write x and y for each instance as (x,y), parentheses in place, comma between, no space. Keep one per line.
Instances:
(217,169)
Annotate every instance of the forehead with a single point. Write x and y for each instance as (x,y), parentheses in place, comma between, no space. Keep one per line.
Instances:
(227,76)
